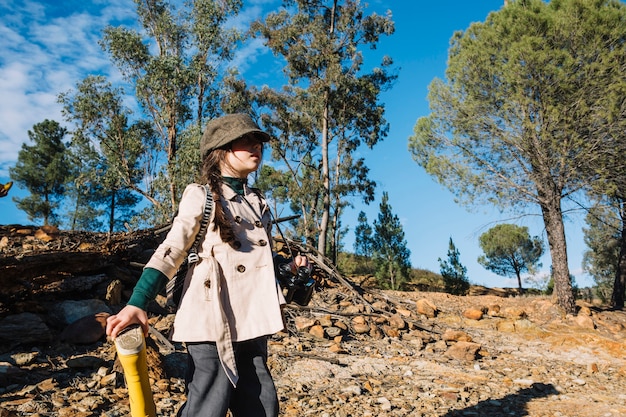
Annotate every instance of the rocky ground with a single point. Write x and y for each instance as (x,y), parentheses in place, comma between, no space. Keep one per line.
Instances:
(521,357)
(351,353)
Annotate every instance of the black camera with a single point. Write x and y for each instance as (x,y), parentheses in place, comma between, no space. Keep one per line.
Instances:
(299,285)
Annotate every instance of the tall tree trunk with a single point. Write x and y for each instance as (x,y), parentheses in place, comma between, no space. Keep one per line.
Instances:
(171,161)
(391,272)
(619,285)
(112,211)
(321,242)
(553,220)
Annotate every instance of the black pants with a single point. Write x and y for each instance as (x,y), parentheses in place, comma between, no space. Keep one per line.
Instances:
(210,393)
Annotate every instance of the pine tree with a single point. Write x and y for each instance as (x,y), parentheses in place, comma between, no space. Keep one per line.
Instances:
(363,239)
(391,255)
(529,98)
(510,251)
(42,169)
(453,272)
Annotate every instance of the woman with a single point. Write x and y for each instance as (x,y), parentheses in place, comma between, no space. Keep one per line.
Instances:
(231,302)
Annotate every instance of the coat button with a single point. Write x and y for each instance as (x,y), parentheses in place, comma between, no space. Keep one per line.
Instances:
(262,242)
(241,268)
(238,219)
(236,244)
(258,223)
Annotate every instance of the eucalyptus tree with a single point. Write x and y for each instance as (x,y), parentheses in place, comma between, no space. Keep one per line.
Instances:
(330,105)
(519,109)
(509,251)
(42,168)
(175,63)
(115,153)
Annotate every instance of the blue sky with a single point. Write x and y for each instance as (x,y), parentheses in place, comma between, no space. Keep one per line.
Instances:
(49,46)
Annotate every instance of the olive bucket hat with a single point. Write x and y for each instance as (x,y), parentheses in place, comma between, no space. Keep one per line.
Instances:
(223,130)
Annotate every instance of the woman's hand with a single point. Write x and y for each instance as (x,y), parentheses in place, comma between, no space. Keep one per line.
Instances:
(127,316)
(300,260)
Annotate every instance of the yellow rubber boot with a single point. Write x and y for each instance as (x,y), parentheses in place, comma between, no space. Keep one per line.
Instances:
(131,350)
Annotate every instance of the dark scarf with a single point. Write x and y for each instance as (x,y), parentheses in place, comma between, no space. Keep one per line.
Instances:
(236,184)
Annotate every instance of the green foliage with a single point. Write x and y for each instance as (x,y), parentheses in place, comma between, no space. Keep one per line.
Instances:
(275,185)
(175,72)
(352,264)
(549,290)
(43,170)
(425,280)
(602,237)
(363,237)
(510,251)
(329,108)
(453,272)
(391,256)
(112,156)
(529,98)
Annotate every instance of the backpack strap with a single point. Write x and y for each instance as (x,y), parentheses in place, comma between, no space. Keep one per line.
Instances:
(174,286)
(204,224)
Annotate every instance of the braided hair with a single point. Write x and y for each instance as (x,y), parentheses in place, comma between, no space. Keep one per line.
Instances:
(212,174)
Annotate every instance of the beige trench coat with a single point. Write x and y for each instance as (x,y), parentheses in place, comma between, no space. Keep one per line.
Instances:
(230,294)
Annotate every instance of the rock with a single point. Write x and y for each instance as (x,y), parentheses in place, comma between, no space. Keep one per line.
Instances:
(465,351)
(585,322)
(403,312)
(426,308)
(360,328)
(325,320)
(437,364)
(114,292)
(473,314)
(24,328)
(47,233)
(493,310)
(71,310)
(390,331)
(332,331)
(456,336)
(302,323)
(26,358)
(84,361)
(514,313)
(86,330)
(317,331)
(396,322)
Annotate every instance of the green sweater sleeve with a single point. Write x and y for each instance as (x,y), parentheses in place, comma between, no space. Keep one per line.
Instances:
(150,283)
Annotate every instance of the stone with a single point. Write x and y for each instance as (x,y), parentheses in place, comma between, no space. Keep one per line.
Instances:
(493,310)
(514,313)
(456,336)
(473,314)
(86,330)
(585,322)
(360,328)
(24,328)
(317,331)
(426,308)
(302,323)
(465,351)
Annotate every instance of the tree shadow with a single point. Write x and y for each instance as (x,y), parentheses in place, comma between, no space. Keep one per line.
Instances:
(513,405)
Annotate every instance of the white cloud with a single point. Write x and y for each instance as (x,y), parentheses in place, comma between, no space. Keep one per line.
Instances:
(47,48)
